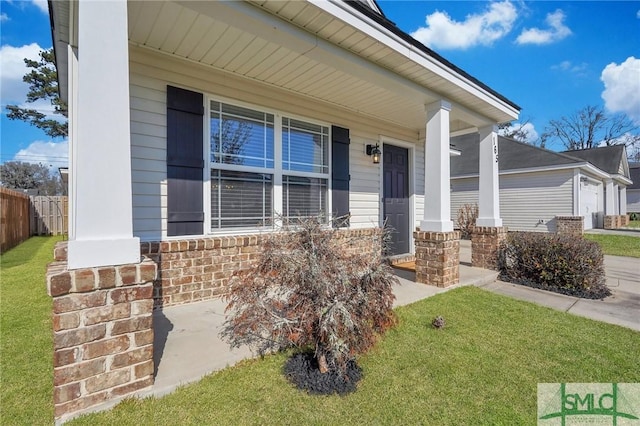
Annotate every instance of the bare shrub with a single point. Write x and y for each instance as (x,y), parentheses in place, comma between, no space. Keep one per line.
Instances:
(312,288)
(566,264)
(467,215)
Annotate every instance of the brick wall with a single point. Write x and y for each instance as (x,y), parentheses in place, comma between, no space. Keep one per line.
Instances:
(103,333)
(200,269)
(569,225)
(485,242)
(437,258)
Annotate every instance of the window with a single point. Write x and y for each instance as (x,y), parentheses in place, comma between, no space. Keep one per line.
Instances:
(241,136)
(240,199)
(305,147)
(250,185)
(304,197)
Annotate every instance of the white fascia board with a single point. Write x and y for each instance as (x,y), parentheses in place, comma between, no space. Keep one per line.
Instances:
(622,179)
(585,166)
(352,17)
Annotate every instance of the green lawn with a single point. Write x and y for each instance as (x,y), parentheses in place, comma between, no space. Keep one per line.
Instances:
(635,224)
(26,340)
(482,368)
(617,245)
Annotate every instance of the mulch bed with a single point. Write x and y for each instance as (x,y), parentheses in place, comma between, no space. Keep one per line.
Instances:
(302,370)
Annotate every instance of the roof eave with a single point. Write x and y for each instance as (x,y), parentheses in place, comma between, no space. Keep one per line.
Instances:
(429,54)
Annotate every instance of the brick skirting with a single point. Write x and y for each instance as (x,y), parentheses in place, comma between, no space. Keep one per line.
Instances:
(437,258)
(191,270)
(569,225)
(102,332)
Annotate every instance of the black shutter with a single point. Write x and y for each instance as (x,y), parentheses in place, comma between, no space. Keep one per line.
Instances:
(185,162)
(340,175)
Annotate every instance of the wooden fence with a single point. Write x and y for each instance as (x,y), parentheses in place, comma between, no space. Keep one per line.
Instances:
(14,218)
(49,215)
(22,216)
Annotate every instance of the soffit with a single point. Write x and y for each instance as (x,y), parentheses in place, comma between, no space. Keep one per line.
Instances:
(318,56)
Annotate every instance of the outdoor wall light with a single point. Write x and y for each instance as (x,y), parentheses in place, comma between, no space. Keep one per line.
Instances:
(375,151)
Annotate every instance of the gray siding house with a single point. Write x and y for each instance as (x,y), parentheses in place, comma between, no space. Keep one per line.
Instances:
(633,190)
(536,184)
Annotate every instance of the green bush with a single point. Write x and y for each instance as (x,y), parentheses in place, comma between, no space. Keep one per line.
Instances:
(634,216)
(562,263)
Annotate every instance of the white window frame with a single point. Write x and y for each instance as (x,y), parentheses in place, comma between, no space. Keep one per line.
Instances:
(277,172)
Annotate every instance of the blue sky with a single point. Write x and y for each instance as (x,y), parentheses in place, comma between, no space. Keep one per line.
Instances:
(550,57)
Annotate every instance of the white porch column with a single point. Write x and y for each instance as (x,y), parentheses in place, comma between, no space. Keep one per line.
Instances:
(437,186)
(489,187)
(609,203)
(623,200)
(101,205)
(616,199)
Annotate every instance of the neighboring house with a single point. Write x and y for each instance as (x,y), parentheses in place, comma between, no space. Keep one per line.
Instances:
(633,190)
(195,127)
(536,184)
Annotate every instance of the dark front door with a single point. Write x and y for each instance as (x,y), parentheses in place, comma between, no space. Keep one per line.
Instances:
(396,196)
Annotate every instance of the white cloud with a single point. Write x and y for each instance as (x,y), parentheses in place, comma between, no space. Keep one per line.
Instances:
(42,5)
(622,88)
(53,154)
(4,17)
(557,31)
(14,90)
(479,29)
(571,67)
(638,14)
(530,130)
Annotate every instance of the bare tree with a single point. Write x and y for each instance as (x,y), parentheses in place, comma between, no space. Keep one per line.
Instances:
(518,131)
(590,127)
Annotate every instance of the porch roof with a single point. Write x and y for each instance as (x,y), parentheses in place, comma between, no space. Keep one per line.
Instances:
(340,53)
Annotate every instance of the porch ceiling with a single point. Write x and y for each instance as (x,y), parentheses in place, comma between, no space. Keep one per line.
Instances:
(320,57)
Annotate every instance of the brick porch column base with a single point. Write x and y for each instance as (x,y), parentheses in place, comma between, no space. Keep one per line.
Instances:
(437,258)
(102,333)
(569,225)
(624,220)
(611,221)
(485,241)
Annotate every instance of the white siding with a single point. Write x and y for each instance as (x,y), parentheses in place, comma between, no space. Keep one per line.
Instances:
(150,73)
(633,200)
(528,201)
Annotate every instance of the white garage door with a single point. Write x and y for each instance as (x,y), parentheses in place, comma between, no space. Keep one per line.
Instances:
(589,204)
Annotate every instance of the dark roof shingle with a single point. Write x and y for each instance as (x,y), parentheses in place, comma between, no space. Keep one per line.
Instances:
(605,158)
(512,155)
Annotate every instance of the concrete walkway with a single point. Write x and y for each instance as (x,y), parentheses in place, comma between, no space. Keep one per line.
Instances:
(187,346)
(621,308)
